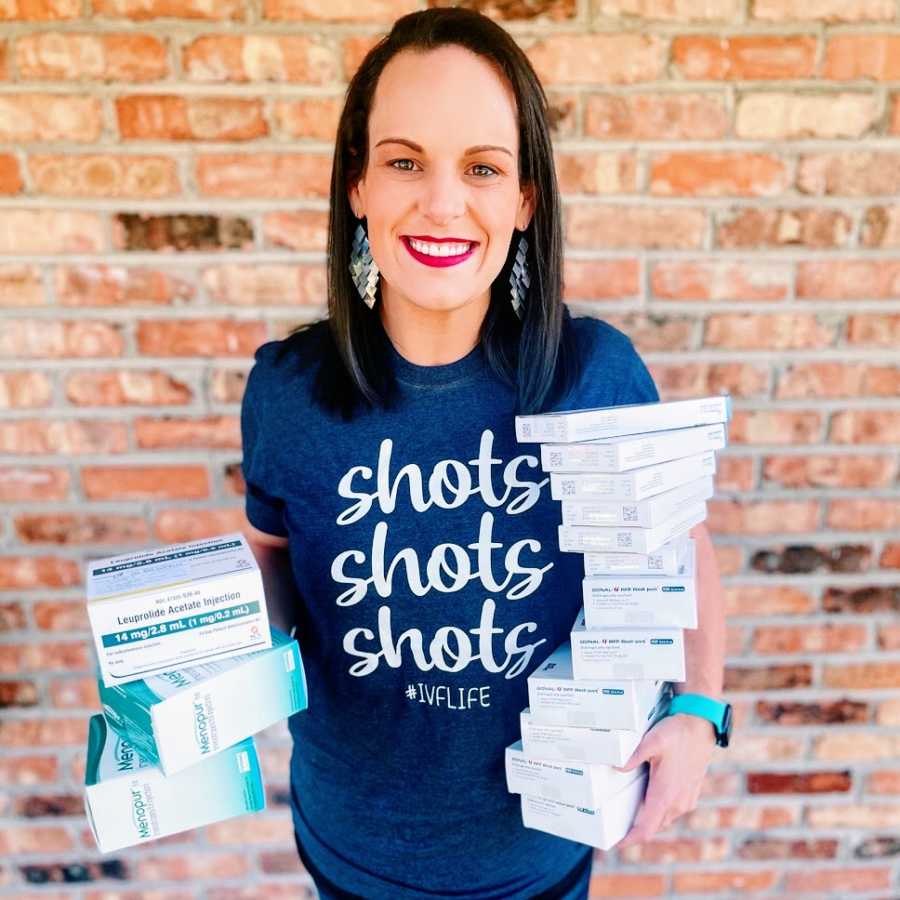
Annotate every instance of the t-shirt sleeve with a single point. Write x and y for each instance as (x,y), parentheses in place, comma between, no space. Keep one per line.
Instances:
(264,509)
(638,385)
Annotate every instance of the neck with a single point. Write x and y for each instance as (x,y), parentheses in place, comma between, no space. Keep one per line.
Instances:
(428,337)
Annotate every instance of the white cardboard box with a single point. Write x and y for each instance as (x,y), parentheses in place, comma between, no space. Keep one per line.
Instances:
(621,454)
(556,698)
(669,601)
(609,746)
(168,607)
(613,421)
(602,826)
(666,560)
(585,784)
(638,484)
(129,801)
(641,653)
(644,513)
(179,718)
(627,538)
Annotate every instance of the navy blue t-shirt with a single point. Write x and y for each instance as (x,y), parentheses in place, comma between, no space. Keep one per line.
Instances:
(423,542)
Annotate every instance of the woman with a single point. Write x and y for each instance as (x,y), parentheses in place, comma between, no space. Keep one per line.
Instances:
(399,526)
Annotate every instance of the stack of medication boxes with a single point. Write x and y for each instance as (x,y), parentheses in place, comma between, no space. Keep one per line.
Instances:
(632,482)
(189,670)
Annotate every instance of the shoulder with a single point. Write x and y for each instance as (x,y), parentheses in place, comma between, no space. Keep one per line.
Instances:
(613,372)
(278,366)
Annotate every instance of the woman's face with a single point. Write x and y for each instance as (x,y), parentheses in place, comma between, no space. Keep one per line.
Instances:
(442,170)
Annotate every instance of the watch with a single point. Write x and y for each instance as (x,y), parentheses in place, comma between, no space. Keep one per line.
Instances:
(715,711)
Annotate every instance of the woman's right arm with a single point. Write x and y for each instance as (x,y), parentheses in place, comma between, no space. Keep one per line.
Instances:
(274,561)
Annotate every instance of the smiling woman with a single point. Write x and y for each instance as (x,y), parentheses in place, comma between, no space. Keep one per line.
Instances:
(380,444)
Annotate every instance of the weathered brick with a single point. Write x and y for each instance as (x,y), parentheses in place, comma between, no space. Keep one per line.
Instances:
(302,229)
(266,285)
(805,558)
(759,600)
(74,693)
(862,675)
(774,116)
(190,866)
(764,678)
(623,58)
(271,175)
(712,881)
(787,848)
(874,599)
(177,118)
(874,330)
(17,693)
(23,338)
(25,390)
(734,474)
(799,782)
(854,471)
(745,57)
(748,229)
(717,175)
(312,117)
(104,175)
(848,279)
(880,227)
(754,818)
(779,331)
(863,514)
(28,770)
(854,56)
(34,806)
(825,10)
(126,387)
(888,637)
(838,880)
(34,839)
(12,616)
(139,231)
(50,231)
(37,572)
(809,638)
(890,556)
(596,173)
(865,426)
(775,427)
(667,10)
(41,11)
(648,117)
(820,379)
(720,280)
(337,11)
(199,337)
(762,516)
(677,850)
(70,528)
(70,436)
(877,847)
(50,117)
(602,279)
(21,285)
(862,747)
(57,55)
(182,9)
(598,226)
(211,432)
(886,781)
(683,380)
(33,483)
(145,482)
(653,332)
(854,173)
(825,712)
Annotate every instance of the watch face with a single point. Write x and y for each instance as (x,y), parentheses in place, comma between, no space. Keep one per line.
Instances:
(725,733)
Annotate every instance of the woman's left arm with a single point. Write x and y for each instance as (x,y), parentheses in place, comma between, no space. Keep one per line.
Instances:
(679,748)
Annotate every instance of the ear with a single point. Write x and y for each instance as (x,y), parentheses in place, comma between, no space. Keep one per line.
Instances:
(527,197)
(356,196)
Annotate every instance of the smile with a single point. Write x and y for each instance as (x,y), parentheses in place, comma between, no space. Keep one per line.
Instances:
(439,253)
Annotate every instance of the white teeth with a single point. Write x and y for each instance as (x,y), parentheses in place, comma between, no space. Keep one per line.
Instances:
(439,249)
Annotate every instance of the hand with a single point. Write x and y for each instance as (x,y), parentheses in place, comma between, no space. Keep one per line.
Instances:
(679,749)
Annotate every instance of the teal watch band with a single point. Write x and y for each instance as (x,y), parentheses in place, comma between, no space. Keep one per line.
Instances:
(715,711)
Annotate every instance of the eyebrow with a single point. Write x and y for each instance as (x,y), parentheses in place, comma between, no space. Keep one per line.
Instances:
(479,148)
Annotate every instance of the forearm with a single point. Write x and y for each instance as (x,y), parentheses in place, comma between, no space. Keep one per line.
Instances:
(705,645)
(278,584)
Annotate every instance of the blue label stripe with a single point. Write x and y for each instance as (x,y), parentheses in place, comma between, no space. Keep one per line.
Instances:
(178,626)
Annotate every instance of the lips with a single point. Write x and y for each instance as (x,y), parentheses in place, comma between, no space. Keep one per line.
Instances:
(438,262)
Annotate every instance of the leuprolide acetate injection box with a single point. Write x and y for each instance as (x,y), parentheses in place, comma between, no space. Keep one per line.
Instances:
(557,698)
(168,607)
(587,784)
(128,800)
(642,652)
(668,601)
(181,717)
(601,826)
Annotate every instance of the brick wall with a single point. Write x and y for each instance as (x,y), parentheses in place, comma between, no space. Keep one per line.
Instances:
(731,172)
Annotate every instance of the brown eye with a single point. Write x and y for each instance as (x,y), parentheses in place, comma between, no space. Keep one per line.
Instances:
(394,162)
(490,170)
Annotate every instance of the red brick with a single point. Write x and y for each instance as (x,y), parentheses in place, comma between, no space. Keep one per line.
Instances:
(182,9)
(621,58)
(145,482)
(676,850)
(874,599)
(764,600)
(745,58)
(50,117)
(890,557)
(121,387)
(17,693)
(734,474)
(199,337)
(717,175)
(848,279)
(721,280)
(28,770)
(754,818)
(35,572)
(25,390)
(774,677)
(260,57)
(191,866)
(888,637)
(665,10)
(60,615)
(799,782)
(41,10)
(703,882)
(312,117)
(853,471)
(596,173)
(50,656)
(683,380)
(881,815)
(10,177)
(865,426)
(787,849)
(304,229)
(762,516)
(833,880)
(338,10)
(809,638)
(648,117)
(775,427)
(33,484)
(782,331)
(855,173)
(884,782)
(12,616)
(820,380)
(602,279)
(598,226)
(790,116)
(863,514)
(64,56)
(50,232)
(271,175)
(176,118)
(654,332)
(70,436)
(75,693)
(266,830)
(880,227)
(862,675)
(25,338)
(72,529)
(786,712)
(824,10)
(760,228)
(266,285)
(106,285)
(856,56)
(21,285)
(34,839)
(169,432)
(104,175)
(874,330)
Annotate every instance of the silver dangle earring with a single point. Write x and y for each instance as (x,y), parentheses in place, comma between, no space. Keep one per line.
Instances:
(362,267)
(519,279)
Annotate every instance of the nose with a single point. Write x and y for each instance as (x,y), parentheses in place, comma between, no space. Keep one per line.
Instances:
(443,196)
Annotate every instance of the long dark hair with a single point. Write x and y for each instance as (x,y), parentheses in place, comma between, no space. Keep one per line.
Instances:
(535,355)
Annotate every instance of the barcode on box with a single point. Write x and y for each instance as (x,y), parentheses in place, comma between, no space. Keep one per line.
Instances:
(243,761)
(629,514)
